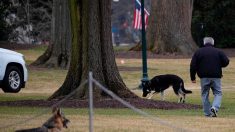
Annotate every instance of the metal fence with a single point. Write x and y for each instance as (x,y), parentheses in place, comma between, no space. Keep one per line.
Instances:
(90,82)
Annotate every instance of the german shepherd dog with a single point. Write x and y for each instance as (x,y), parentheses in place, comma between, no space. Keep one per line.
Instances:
(160,83)
(53,124)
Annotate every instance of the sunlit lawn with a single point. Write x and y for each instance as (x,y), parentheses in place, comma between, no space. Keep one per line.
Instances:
(43,82)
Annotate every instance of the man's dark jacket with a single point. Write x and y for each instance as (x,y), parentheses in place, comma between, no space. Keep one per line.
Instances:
(207,62)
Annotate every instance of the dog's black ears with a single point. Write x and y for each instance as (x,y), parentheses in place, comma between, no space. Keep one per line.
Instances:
(145,84)
(146,88)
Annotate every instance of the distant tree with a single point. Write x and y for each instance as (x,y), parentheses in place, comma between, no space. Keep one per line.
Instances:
(59,50)
(218,19)
(40,17)
(169,29)
(29,20)
(92,50)
(5,29)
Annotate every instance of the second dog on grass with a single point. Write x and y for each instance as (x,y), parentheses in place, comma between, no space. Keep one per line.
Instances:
(54,124)
(160,83)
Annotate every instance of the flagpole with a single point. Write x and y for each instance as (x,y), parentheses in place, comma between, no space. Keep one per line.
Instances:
(144,54)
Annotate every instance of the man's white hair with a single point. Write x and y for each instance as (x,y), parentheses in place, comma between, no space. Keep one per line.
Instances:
(209,40)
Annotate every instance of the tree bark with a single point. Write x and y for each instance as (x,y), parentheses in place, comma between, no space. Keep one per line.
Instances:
(92,50)
(59,50)
(170,27)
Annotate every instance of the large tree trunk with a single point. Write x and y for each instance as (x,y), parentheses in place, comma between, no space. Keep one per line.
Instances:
(92,50)
(170,27)
(59,50)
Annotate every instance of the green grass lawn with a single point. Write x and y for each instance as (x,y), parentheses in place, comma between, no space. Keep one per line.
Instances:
(43,82)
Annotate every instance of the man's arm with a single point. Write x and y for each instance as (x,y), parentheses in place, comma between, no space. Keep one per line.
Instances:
(224,59)
(193,67)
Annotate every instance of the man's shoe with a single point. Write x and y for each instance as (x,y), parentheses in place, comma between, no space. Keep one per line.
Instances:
(213,112)
(207,115)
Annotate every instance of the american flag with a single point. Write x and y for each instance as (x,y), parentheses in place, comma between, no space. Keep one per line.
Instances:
(137,24)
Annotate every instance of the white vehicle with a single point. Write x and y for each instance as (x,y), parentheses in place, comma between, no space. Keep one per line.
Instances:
(13,71)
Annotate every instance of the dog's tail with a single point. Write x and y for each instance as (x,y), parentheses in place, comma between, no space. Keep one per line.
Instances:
(184,90)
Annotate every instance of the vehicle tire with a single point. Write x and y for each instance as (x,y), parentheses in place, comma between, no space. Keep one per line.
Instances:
(13,80)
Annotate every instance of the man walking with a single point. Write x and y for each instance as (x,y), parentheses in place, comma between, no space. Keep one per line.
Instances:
(208,62)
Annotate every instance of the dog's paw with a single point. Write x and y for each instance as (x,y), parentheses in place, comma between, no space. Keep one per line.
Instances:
(180,100)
